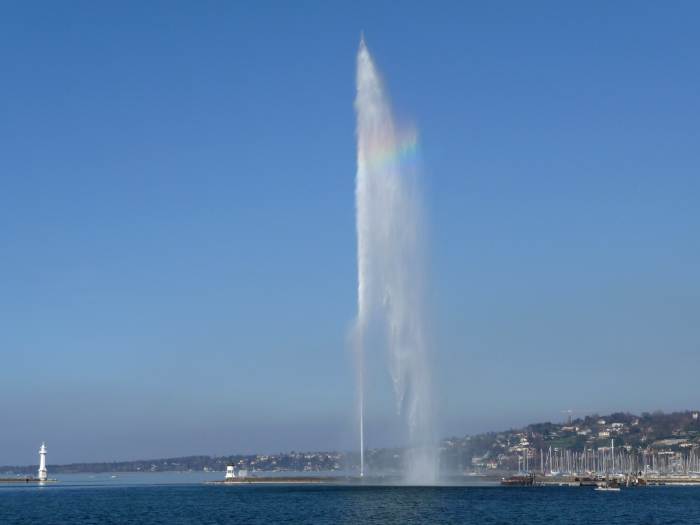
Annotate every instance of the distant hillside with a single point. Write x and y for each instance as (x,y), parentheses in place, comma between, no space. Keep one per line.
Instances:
(650,432)
(292,461)
(657,432)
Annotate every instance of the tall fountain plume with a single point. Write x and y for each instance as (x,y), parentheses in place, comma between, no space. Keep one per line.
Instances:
(391,266)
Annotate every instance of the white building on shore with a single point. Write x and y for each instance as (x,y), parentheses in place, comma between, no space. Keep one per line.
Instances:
(42,463)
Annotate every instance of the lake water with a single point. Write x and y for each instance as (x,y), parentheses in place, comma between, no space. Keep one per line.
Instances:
(184,499)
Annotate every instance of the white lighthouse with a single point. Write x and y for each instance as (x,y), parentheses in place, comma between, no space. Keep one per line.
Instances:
(42,462)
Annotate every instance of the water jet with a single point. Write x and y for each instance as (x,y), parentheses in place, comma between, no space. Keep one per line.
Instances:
(391,266)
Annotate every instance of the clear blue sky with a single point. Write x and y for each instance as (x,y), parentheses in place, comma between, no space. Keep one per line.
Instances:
(177,244)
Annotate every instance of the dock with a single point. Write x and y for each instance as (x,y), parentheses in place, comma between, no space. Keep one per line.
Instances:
(26,480)
(532,480)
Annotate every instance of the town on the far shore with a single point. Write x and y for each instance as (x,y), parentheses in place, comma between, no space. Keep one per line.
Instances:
(651,443)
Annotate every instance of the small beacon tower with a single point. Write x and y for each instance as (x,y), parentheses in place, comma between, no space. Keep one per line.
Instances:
(42,463)
(230,474)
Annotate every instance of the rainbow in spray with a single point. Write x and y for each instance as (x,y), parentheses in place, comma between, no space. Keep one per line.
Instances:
(403,151)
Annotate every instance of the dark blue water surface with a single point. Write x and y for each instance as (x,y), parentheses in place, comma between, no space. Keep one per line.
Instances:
(323,504)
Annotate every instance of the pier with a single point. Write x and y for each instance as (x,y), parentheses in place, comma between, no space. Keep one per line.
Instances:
(26,480)
(283,480)
(596,481)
